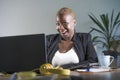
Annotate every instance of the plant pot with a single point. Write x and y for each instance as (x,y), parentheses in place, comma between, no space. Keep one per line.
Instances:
(111,53)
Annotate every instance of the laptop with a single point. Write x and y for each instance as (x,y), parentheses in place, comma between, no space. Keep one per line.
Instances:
(22,53)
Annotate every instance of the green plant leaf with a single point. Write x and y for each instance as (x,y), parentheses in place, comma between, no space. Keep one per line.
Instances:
(107,26)
(96,21)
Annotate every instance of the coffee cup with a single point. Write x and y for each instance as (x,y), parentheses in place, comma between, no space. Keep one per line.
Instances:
(107,60)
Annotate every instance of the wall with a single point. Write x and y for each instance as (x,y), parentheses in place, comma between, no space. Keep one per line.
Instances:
(19,17)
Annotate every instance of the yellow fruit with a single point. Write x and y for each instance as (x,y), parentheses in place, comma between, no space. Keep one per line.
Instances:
(44,68)
(58,67)
(27,74)
(47,69)
(60,71)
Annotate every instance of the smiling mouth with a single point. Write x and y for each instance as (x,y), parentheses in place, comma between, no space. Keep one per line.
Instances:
(64,32)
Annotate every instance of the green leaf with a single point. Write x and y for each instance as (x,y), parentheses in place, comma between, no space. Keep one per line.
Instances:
(106,27)
(96,21)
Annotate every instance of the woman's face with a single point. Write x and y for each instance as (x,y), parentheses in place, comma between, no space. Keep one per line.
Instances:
(65,26)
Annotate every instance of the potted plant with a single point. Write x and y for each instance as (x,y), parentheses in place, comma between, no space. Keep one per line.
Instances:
(106,27)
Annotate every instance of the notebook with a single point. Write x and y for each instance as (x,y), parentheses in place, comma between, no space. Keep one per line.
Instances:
(22,53)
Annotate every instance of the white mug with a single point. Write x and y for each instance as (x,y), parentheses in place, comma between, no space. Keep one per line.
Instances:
(107,60)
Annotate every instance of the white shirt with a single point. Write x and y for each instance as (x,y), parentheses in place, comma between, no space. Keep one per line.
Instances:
(65,58)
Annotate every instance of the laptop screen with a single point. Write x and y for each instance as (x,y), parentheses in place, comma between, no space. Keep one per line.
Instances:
(22,53)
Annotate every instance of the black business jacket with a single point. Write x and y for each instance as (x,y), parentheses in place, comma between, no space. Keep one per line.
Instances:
(82,45)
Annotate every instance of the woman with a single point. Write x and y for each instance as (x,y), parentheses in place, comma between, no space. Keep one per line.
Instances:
(69,48)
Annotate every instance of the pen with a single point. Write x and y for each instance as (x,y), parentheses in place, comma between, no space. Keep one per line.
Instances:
(88,68)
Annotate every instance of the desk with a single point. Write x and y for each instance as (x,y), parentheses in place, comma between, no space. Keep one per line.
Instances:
(110,75)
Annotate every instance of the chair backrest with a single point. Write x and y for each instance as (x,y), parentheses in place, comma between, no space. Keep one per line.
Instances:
(22,53)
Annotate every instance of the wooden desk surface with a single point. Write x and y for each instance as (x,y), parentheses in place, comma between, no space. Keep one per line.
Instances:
(75,75)
(109,75)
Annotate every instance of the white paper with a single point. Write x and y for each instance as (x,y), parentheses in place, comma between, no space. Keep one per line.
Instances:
(100,69)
